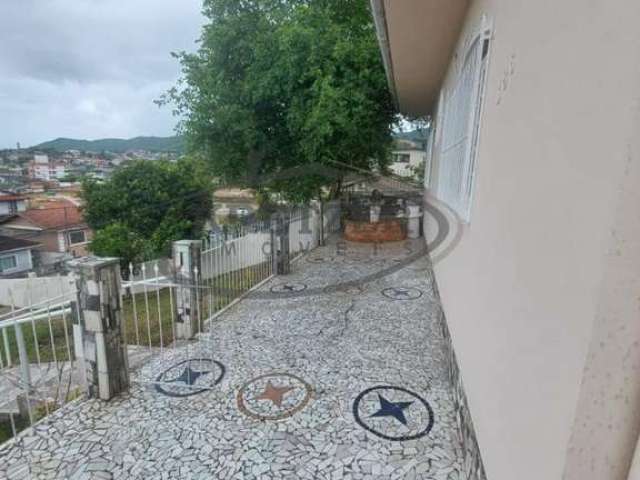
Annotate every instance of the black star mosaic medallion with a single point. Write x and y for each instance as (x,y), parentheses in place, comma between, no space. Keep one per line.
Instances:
(190,377)
(288,288)
(393,413)
(402,293)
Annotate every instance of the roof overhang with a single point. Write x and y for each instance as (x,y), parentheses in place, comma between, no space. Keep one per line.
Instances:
(417,39)
(19,249)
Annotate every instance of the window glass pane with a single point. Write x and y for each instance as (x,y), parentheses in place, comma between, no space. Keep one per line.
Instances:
(7,263)
(76,237)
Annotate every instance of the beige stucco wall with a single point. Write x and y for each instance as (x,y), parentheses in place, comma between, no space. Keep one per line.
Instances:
(542,293)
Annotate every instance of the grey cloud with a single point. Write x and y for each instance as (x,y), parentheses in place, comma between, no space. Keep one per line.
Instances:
(90,68)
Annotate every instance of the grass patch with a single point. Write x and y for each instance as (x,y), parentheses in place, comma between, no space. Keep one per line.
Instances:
(147,319)
(6,432)
(21,423)
(143,320)
(51,345)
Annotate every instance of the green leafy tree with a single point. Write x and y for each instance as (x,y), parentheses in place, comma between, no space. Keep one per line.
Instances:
(145,206)
(285,95)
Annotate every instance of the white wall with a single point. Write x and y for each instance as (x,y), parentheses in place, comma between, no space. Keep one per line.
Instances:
(541,293)
(24,292)
(416,157)
(239,253)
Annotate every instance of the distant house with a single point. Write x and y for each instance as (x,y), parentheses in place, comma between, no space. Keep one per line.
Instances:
(42,168)
(11,203)
(407,156)
(58,226)
(16,256)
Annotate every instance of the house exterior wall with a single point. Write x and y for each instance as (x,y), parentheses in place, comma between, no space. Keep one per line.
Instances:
(541,292)
(77,249)
(20,228)
(39,171)
(48,241)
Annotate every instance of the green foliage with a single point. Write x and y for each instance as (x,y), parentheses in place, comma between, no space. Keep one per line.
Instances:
(418,172)
(282,94)
(119,240)
(70,178)
(145,206)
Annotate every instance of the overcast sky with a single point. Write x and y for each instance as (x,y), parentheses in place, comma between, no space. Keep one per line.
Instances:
(90,68)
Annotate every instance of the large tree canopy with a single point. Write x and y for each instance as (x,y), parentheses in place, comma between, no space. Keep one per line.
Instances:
(281,92)
(146,205)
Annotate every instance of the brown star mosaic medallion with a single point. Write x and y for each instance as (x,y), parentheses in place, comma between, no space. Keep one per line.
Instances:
(273,396)
(273,393)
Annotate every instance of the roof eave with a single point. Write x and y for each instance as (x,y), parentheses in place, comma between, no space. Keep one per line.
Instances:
(20,249)
(380,20)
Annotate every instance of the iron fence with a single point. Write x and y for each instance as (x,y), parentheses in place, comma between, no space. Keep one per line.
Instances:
(38,368)
(41,342)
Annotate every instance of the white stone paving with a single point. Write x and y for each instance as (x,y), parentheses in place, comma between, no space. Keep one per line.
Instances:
(339,340)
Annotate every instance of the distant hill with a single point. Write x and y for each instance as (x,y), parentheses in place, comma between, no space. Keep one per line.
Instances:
(115,145)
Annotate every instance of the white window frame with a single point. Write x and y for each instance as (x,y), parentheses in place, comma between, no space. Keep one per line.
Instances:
(459,122)
(428,158)
(15,263)
(84,235)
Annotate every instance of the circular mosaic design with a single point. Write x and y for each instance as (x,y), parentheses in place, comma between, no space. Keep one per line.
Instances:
(345,289)
(354,258)
(319,259)
(402,293)
(288,288)
(190,377)
(273,396)
(393,413)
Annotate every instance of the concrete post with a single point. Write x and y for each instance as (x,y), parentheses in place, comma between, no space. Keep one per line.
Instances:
(280,245)
(413,221)
(188,267)
(321,219)
(374,213)
(104,352)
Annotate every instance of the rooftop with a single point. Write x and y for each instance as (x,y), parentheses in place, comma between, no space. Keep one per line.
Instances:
(11,197)
(54,215)
(9,244)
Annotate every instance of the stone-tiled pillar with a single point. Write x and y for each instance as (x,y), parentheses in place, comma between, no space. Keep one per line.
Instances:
(188,268)
(280,245)
(103,350)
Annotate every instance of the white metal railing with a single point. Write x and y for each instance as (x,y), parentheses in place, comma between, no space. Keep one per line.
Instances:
(233,266)
(304,230)
(38,342)
(38,371)
(147,305)
(231,263)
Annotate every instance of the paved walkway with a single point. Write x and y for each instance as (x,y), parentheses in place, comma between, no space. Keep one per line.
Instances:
(315,376)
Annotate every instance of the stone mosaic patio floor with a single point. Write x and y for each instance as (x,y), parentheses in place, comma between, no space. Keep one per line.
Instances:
(317,375)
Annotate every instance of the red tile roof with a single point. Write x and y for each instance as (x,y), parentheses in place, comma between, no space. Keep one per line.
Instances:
(9,197)
(54,215)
